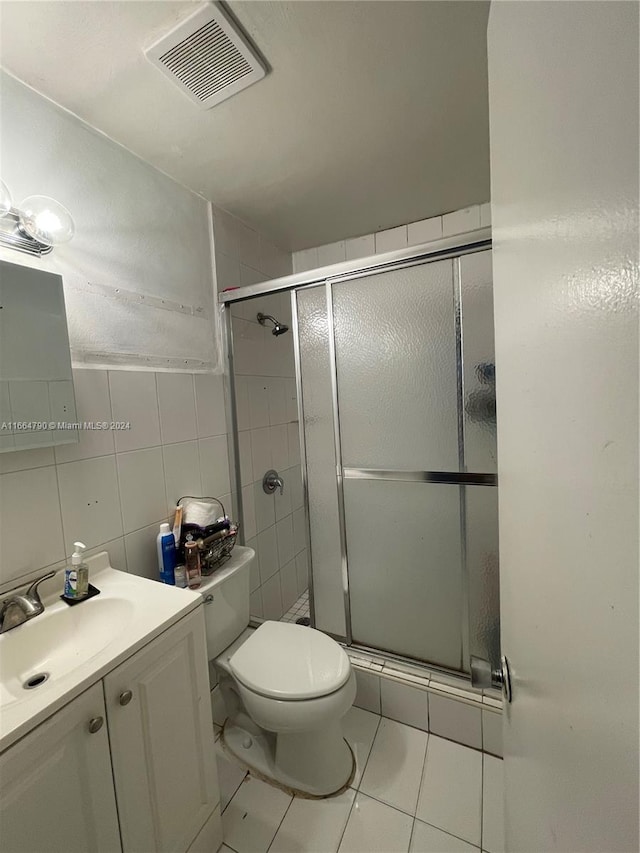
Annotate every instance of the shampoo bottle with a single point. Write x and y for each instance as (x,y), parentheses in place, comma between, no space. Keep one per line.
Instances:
(166,554)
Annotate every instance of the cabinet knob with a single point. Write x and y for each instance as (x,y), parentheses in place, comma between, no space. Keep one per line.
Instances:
(95,724)
(125,697)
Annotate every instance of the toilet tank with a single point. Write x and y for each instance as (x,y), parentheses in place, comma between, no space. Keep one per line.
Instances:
(226,600)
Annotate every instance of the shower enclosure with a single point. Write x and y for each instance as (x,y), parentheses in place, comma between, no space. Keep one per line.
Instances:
(394,366)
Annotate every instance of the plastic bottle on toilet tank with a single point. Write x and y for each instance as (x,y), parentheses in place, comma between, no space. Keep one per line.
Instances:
(166,545)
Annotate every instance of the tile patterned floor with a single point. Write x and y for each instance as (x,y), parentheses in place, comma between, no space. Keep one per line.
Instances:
(413,792)
(299,609)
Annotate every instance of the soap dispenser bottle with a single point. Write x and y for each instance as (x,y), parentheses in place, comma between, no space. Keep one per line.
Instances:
(76,577)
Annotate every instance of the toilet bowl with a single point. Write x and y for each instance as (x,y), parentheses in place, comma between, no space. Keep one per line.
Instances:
(285,688)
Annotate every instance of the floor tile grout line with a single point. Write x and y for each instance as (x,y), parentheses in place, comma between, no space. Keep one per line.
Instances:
(384,802)
(234,793)
(446,832)
(373,740)
(424,771)
(413,827)
(346,823)
(286,812)
(482,802)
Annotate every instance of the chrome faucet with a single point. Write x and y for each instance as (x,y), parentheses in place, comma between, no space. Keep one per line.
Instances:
(272,481)
(17,609)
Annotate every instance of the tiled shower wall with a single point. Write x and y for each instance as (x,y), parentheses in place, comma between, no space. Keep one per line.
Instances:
(268,438)
(447,225)
(267,417)
(112,489)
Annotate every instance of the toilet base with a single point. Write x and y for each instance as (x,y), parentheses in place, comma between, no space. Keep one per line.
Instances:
(313,765)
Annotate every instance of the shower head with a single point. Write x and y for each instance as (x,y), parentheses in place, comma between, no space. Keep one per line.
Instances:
(278,328)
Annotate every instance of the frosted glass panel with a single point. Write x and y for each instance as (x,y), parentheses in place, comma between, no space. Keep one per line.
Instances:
(476,288)
(396,363)
(328,594)
(405,577)
(482,566)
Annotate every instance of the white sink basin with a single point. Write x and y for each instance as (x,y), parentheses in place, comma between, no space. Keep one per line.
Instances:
(57,642)
(66,649)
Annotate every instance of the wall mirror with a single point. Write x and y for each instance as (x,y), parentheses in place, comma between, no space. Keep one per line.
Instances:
(37,403)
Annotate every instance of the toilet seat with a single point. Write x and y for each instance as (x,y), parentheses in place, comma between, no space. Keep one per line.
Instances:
(284,661)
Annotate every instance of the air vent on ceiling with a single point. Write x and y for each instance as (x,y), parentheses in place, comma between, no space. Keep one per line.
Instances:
(207,57)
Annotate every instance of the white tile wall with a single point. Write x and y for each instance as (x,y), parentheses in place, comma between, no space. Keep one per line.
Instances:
(406,704)
(492,733)
(89,500)
(142,490)
(357,247)
(134,399)
(485,215)
(391,239)
(368,691)
(177,405)
(29,502)
(114,487)
(332,253)
(455,720)
(243,255)
(424,231)
(214,468)
(412,234)
(265,397)
(268,438)
(460,221)
(431,703)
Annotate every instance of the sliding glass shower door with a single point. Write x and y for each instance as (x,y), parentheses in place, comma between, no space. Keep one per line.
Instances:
(399,432)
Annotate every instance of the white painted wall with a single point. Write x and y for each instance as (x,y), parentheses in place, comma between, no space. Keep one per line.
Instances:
(563,90)
(136,229)
(139,230)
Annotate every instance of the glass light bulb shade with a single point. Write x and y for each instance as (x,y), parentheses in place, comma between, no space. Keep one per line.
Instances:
(46,220)
(5,199)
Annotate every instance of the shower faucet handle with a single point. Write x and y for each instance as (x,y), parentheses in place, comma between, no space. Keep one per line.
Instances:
(272,481)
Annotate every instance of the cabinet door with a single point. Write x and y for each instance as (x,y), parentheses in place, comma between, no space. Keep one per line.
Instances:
(162,742)
(56,787)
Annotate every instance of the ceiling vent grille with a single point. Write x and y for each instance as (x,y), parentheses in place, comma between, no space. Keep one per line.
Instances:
(207,57)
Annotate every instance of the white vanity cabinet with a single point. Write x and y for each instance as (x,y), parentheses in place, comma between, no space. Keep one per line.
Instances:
(129,765)
(162,742)
(56,786)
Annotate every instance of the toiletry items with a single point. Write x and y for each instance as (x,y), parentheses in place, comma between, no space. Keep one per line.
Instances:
(180,575)
(166,545)
(177,525)
(76,576)
(192,565)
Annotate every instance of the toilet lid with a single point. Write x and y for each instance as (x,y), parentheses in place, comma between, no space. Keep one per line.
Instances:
(287,661)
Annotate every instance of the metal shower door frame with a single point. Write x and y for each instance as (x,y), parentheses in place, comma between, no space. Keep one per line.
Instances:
(448,249)
(461,478)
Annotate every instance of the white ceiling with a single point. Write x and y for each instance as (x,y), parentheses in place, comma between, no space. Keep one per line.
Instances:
(373,113)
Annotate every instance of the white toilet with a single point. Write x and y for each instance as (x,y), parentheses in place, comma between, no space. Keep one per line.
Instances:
(285,688)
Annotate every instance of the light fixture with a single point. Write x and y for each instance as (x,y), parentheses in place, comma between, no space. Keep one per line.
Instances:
(36,226)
